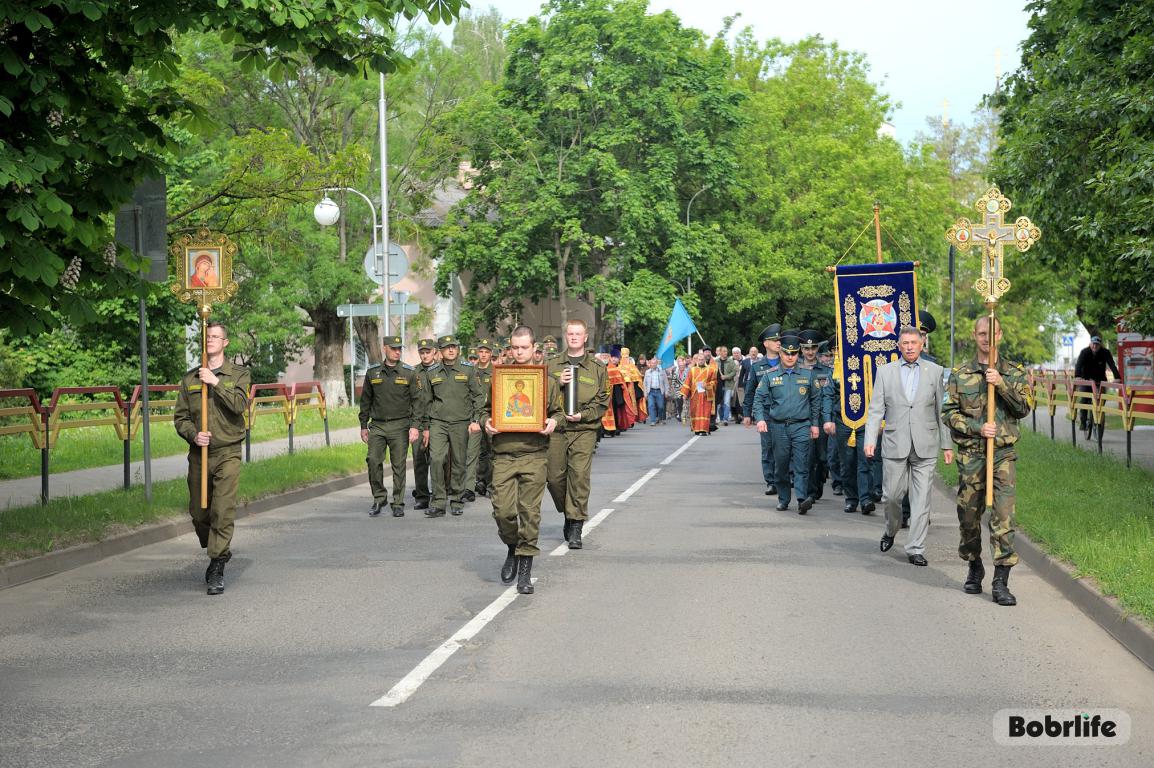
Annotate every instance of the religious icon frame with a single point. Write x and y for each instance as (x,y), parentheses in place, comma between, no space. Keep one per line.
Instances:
(191,248)
(503,388)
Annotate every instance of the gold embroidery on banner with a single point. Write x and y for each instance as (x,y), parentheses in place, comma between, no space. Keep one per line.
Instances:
(880,345)
(879,360)
(904,306)
(876,291)
(855,402)
(850,320)
(853,363)
(854,380)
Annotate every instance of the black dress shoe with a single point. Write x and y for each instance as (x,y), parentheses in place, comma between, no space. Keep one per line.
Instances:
(434,512)
(868,508)
(421,504)
(805,505)
(837,491)
(469,496)
(509,567)
(375,509)
(850,508)
(398,511)
(782,506)
(456,511)
(917,560)
(886,543)
(771,490)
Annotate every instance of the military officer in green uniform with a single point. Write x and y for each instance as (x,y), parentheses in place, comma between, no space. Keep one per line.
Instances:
(479,468)
(572,445)
(549,344)
(228,386)
(823,377)
(520,466)
(787,403)
(771,339)
(390,421)
(453,405)
(965,414)
(422,493)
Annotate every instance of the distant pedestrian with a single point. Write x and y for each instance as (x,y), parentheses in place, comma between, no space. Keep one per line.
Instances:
(1092,364)
(228,386)
(390,421)
(654,383)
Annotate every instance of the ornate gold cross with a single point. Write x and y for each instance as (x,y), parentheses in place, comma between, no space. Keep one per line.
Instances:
(992,234)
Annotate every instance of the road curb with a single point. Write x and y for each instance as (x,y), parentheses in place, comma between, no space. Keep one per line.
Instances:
(1132,633)
(23,571)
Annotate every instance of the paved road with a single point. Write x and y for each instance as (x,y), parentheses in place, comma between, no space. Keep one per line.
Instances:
(26,490)
(699,627)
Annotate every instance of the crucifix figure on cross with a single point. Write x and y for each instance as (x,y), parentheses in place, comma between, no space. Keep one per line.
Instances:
(993,233)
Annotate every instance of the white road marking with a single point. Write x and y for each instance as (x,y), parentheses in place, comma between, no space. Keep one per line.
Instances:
(636,486)
(409,684)
(669,459)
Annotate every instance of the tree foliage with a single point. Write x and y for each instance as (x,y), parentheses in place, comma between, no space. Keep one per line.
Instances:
(89,97)
(1078,152)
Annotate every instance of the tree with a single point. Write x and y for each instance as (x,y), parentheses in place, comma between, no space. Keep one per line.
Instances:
(89,99)
(606,121)
(1078,153)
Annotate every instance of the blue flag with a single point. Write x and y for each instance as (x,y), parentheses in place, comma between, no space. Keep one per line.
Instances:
(679,326)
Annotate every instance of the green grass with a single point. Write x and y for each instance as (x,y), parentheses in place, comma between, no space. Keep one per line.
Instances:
(30,531)
(87,447)
(1089,511)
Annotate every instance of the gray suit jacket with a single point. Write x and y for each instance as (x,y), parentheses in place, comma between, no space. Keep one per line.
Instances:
(909,426)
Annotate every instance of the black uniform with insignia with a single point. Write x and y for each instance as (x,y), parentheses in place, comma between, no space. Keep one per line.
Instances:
(787,401)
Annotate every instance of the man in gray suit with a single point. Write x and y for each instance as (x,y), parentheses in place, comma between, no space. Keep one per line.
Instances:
(908,395)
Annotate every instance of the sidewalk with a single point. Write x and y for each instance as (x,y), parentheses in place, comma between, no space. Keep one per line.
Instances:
(1113,440)
(26,490)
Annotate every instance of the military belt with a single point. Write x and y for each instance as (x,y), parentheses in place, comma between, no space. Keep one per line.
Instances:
(790,421)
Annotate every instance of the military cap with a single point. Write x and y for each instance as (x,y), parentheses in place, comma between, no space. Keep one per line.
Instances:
(926,322)
(550,339)
(823,348)
(472,352)
(448,341)
(809,338)
(506,342)
(426,344)
(831,343)
(538,346)
(790,343)
(393,341)
(770,333)
(484,344)
(791,332)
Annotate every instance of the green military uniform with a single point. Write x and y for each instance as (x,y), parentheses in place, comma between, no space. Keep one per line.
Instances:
(964,413)
(390,403)
(756,371)
(549,344)
(479,463)
(520,466)
(227,403)
(453,399)
(571,446)
(421,491)
(788,400)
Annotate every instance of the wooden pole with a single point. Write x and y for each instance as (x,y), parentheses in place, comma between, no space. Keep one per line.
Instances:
(990,394)
(878,228)
(205,310)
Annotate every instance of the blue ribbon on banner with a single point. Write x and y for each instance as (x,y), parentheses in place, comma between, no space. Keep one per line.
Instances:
(873,302)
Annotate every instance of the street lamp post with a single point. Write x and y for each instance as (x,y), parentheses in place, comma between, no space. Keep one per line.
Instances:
(327,213)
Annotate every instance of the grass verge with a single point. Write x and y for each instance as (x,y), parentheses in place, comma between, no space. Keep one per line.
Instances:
(88,447)
(1089,511)
(30,531)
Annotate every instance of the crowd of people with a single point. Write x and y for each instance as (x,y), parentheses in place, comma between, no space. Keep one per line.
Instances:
(441,411)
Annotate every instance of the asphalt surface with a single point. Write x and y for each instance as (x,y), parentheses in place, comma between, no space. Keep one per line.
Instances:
(698,627)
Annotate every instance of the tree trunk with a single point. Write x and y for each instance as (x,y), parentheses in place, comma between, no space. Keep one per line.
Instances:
(562,270)
(328,355)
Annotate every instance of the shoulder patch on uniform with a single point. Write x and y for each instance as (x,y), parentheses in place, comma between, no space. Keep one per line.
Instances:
(407,367)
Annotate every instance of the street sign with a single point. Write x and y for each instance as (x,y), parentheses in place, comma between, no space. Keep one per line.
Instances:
(398,263)
(1068,341)
(374,310)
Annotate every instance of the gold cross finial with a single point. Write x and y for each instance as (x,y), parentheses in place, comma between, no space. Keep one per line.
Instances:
(993,233)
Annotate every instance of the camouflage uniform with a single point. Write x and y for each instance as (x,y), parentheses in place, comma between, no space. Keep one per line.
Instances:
(964,413)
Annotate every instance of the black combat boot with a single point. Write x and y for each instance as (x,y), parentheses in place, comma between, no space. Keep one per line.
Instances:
(805,505)
(574,537)
(974,577)
(999,590)
(509,567)
(565,532)
(421,504)
(208,571)
(215,575)
(524,574)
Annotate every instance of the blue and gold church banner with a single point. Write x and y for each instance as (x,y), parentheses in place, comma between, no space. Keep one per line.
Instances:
(874,301)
